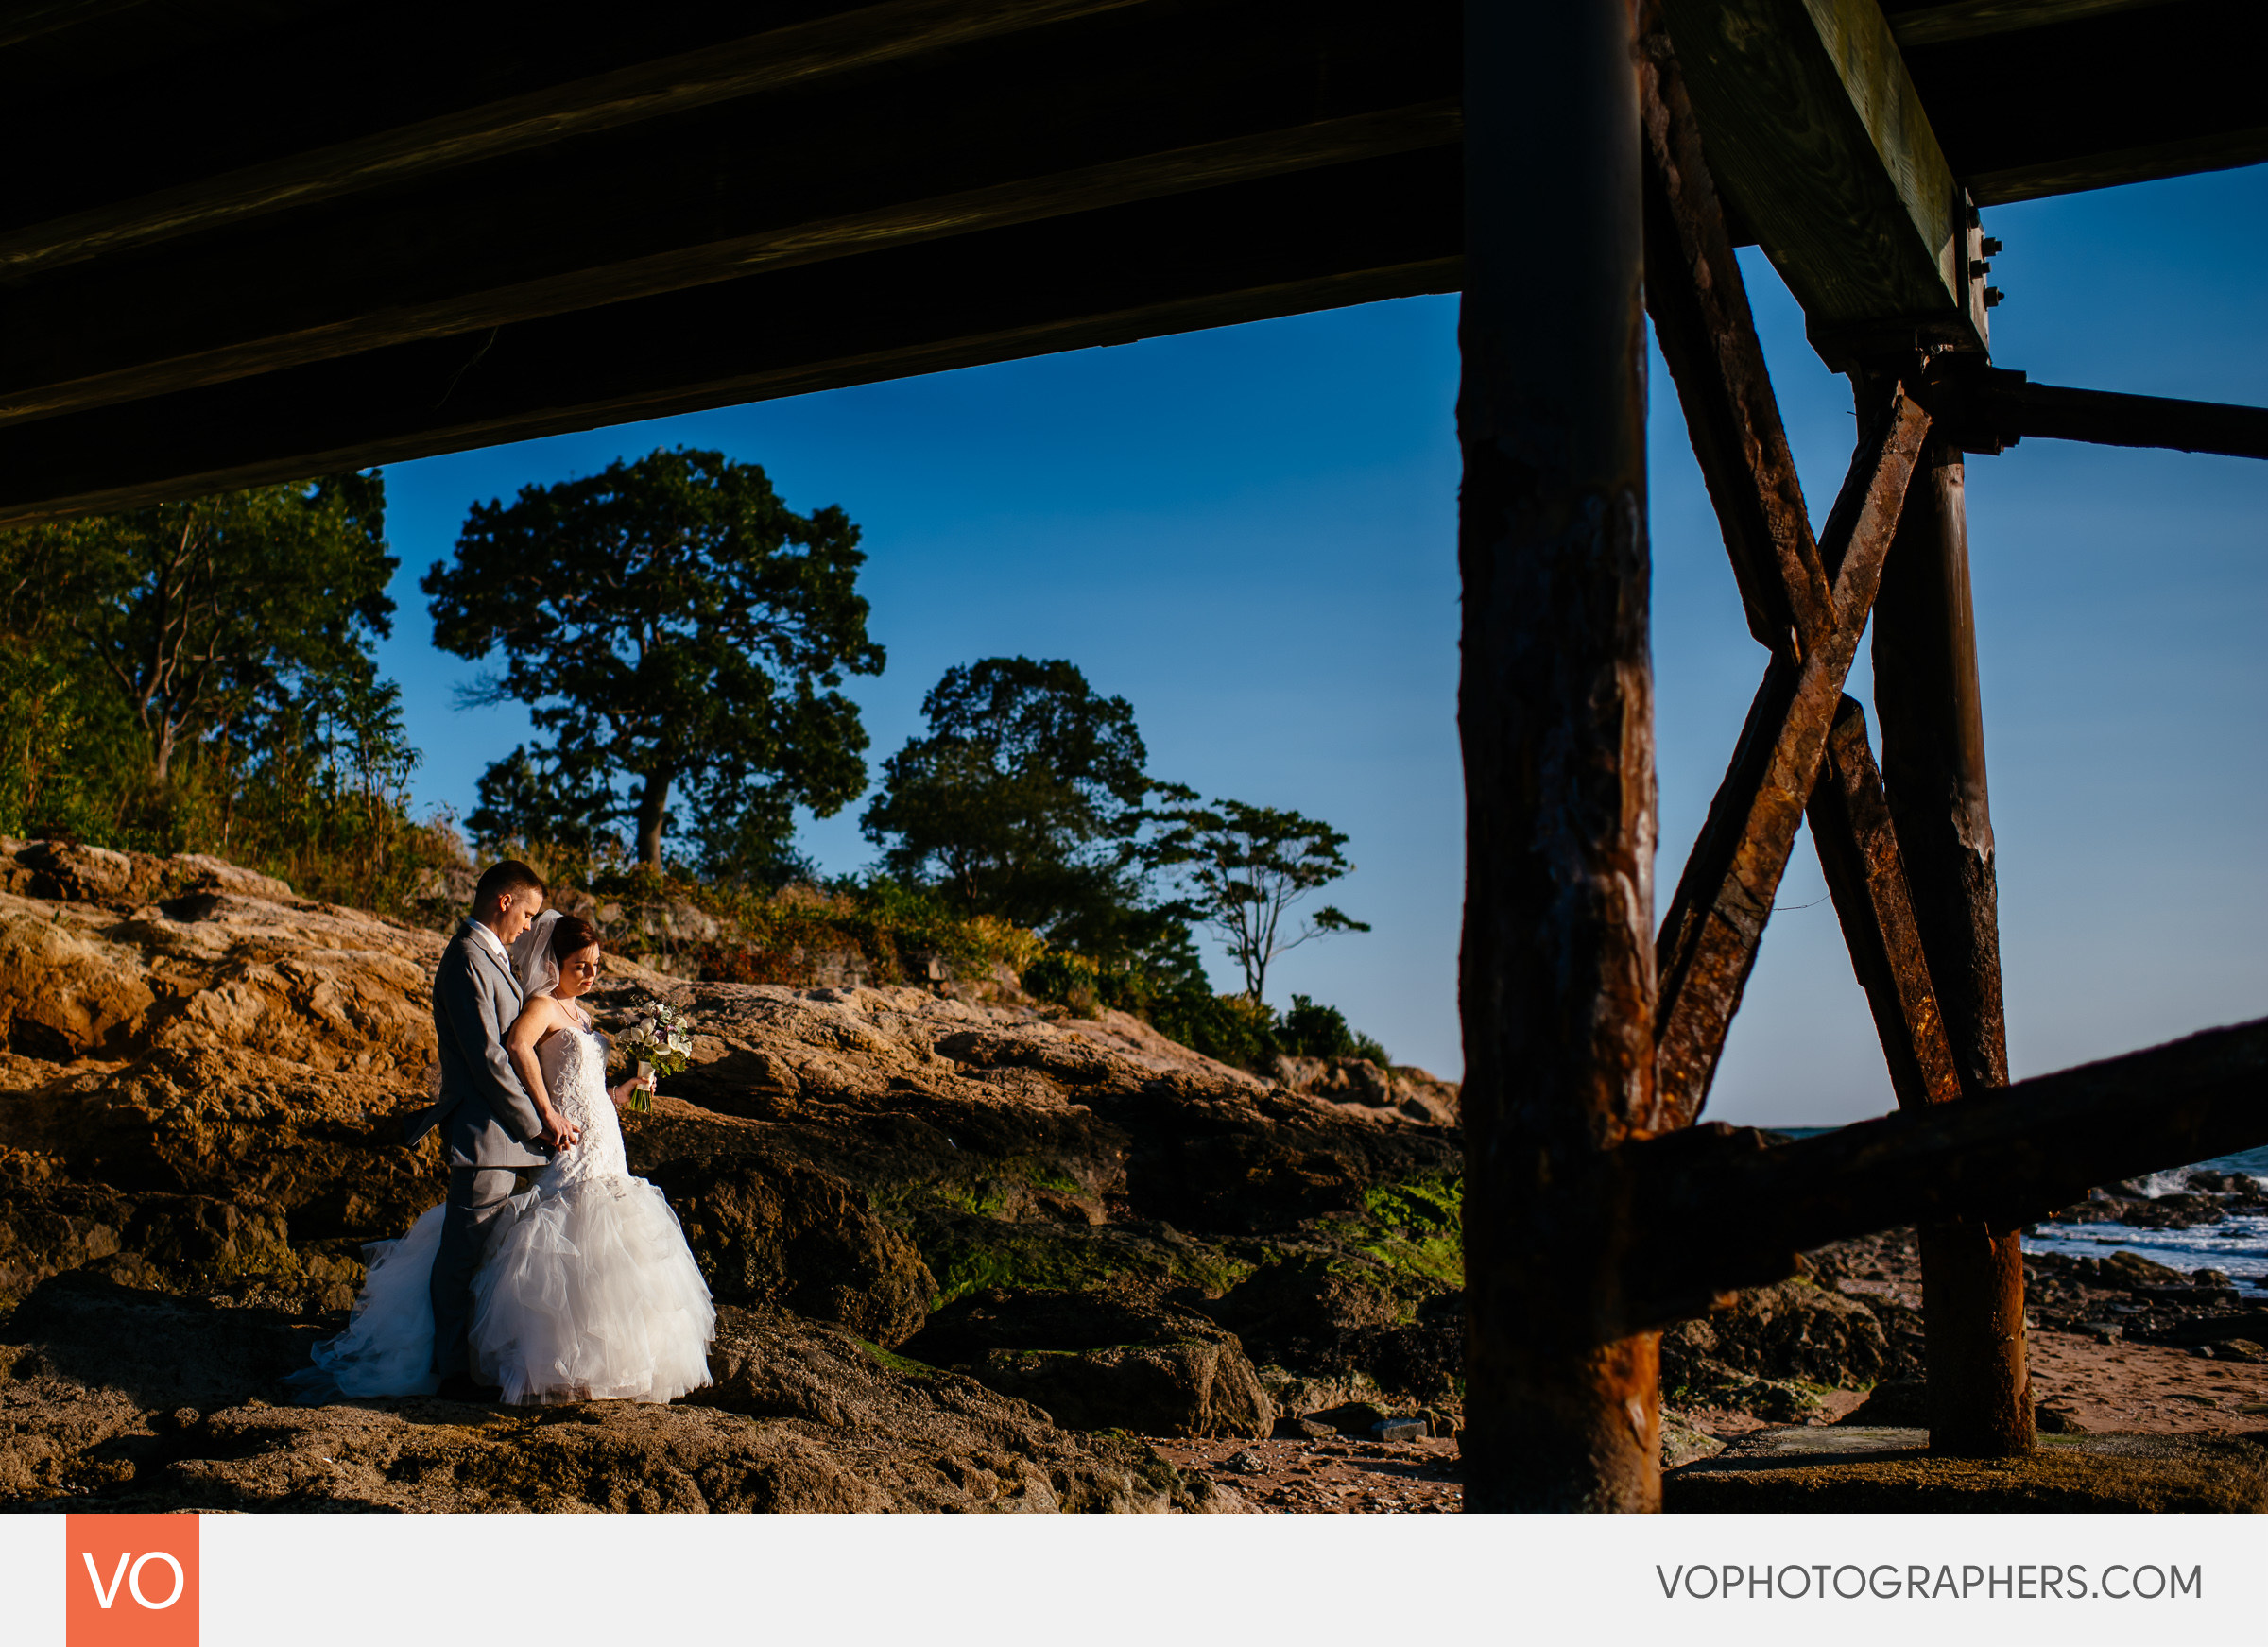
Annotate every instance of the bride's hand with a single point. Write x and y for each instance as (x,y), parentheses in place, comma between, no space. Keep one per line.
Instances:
(622,1090)
(557,1133)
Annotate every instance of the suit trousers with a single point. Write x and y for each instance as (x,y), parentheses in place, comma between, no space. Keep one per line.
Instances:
(476,1195)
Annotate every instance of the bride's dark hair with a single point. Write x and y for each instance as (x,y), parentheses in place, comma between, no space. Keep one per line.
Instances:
(569,933)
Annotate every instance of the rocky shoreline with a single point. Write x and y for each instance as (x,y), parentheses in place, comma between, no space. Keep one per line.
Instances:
(967,1253)
(972,1253)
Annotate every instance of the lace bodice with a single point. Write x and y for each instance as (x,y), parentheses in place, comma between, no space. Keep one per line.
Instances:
(575,1073)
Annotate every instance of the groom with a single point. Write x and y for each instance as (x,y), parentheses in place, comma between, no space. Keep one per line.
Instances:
(490,1124)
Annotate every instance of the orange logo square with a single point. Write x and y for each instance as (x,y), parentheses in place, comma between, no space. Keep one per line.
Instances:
(129,1581)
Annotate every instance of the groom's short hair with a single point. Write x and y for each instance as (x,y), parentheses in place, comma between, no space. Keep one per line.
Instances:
(508,879)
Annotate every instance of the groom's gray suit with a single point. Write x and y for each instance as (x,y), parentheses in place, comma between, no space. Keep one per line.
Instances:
(488,1122)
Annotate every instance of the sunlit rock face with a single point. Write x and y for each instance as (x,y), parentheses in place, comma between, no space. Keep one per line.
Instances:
(199,1109)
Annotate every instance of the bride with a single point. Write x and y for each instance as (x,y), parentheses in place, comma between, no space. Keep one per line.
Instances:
(587,1290)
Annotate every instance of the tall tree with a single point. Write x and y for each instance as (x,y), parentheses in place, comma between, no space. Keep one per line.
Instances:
(1017,800)
(670,621)
(1244,867)
(203,612)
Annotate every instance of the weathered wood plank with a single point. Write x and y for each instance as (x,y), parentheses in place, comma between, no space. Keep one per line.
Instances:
(1309,240)
(1974,19)
(2091,101)
(772,61)
(921,153)
(1708,940)
(1818,137)
(2146,162)
(40,17)
(292,327)
(1716,1209)
(1857,849)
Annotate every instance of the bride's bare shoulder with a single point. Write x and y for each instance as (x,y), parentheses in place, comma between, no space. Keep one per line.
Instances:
(539,1016)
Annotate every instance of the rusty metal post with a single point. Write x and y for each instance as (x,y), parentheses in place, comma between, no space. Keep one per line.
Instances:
(1932,727)
(1556,711)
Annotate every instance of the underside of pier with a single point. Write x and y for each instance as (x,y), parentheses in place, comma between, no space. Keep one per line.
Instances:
(269,240)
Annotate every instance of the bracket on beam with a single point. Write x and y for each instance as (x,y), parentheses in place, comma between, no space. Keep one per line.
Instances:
(1989,410)
(1820,139)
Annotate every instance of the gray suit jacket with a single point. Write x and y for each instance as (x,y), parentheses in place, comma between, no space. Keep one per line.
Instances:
(487,1118)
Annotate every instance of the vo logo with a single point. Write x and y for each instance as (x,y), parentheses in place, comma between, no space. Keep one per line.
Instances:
(130,1581)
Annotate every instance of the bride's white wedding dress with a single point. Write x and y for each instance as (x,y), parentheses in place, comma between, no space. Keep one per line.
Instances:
(587,1291)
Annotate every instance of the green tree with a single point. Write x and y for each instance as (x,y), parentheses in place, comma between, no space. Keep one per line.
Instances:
(1242,867)
(1314,1030)
(201,676)
(525,799)
(672,622)
(41,718)
(1019,800)
(204,614)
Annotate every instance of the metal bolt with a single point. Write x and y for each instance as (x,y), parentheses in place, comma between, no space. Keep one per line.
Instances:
(1991,247)
(1978,268)
(1992,297)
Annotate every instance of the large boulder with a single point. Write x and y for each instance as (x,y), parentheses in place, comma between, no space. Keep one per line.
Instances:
(1794,1330)
(1103,1361)
(1359,1082)
(770,1230)
(1299,1300)
(66,994)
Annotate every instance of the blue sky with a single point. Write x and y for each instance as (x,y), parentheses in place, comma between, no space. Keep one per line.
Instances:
(1250,534)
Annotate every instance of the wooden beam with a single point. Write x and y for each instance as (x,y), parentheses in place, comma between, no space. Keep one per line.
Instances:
(1701,317)
(1717,1209)
(1857,849)
(922,152)
(1709,937)
(1818,137)
(2146,162)
(1699,304)
(1924,24)
(1927,693)
(1976,1310)
(1555,716)
(35,18)
(797,54)
(2088,101)
(1311,240)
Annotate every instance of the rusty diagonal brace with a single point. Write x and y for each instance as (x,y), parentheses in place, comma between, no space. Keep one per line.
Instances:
(1806,600)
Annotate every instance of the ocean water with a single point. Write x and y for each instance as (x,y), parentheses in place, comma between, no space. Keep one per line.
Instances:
(2238,1244)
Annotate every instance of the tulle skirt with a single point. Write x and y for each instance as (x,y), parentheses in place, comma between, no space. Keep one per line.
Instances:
(387,1347)
(589,1293)
(586,1292)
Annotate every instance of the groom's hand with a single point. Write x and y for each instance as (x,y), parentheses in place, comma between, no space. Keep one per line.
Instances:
(557,1133)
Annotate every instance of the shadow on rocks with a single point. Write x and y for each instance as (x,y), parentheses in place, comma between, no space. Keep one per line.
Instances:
(119,1400)
(159,1350)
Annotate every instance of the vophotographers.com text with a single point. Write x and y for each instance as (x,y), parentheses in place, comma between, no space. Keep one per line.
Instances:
(1915,1581)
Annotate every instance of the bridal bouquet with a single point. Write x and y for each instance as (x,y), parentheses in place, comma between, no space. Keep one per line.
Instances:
(658,1040)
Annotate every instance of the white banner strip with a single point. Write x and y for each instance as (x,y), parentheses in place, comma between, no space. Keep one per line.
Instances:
(1317,1580)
